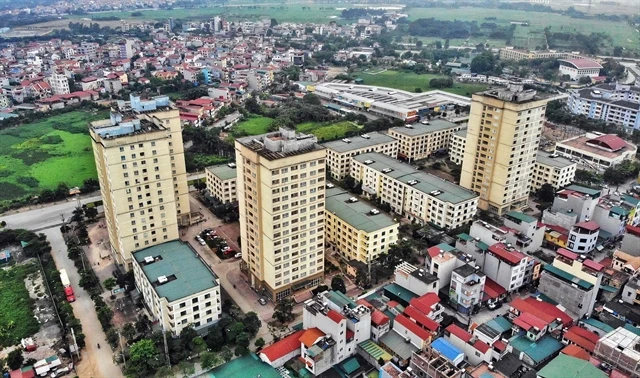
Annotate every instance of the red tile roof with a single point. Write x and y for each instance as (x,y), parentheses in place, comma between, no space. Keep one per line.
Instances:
(582,63)
(590,225)
(530,320)
(350,334)
(512,257)
(542,310)
(582,337)
(425,303)
(310,336)
(499,345)
(481,346)
(492,289)
(606,262)
(377,317)
(283,347)
(459,332)
(593,265)
(412,327)
(420,318)
(575,351)
(335,316)
(610,141)
(566,253)
(633,230)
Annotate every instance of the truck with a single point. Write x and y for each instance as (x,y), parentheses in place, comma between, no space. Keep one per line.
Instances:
(68,290)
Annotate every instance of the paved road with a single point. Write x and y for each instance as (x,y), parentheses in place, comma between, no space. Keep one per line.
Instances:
(41,217)
(96,363)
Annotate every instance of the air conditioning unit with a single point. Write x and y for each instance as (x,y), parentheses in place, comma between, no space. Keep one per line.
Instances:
(162,279)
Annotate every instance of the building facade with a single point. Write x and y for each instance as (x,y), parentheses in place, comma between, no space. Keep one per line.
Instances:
(419,141)
(340,152)
(143,180)
(59,84)
(502,142)
(596,151)
(281,196)
(552,169)
(615,103)
(221,182)
(457,145)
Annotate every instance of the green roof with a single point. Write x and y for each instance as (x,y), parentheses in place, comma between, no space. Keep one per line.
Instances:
(420,129)
(358,142)
(568,277)
(399,292)
(633,329)
(375,350)
(350,365)
(630,199)
(565,366)
(482,245)
(357,214)
(465,237)
(340,299)
(177,259)
(500,324)
(584,190)
(620,211)
(223,171)
(425,182)
(246,366)
(597,324)
(538,351)
(521,217)
(557,162)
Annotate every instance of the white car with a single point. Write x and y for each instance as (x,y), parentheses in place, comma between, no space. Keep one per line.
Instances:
(202,242)
(238,255)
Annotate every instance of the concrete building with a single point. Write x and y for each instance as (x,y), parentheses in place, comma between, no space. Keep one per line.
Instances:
(631,241)
(577,68)
(281,195)
(524,231)
(624,262)
(333,329)
(221,182)
(572,281)
(416,280)
(552,169)
(431,363)
(510,53)
(143,181)
(442,259)
(467,288)
(583,237)
(475,351)
(389,102)
(502,142)
(340,152)
(614,103)
(612,217)
(572,205)
(355,229)
(5,101)
(505,265)
(419,196)
(126,49)
(631,291)
(457,145)
(179,289)
(419,141)
(596,151)
(619,348)
(59,84)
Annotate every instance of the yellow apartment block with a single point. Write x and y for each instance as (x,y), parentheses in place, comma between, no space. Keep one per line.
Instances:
(221,182)
(418,141)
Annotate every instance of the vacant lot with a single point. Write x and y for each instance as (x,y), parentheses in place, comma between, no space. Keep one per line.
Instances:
(409,81)
(328,131)
(16,307)
(40,155)
(255,125)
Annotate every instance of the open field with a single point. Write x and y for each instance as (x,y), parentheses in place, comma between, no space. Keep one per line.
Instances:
(16,307)
(255,125)
(327,132)
(409,81)
(40,155)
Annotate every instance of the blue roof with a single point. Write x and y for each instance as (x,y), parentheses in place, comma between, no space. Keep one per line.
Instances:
(631,328)
(597,324)
(538,351)
(499,324)
(444,347)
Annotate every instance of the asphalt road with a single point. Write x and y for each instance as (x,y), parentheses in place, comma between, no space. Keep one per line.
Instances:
(41,217)
(95,362)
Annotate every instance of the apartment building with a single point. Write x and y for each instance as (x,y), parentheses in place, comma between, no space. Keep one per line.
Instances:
(596,151)
(334,326)
(419,196)
(355,229)
(572,205)
(505,265)
(221,182)
(443,259)
(143,181)
(59,84)
(281,196)
(416,280)
(340,152)
(502,143)
(523,231)
(467,288)
(457,145)
(509,53)
(631,240)
(573,281)
(552,169)
(583,237)
(179,289)
(419,141)
(614,103)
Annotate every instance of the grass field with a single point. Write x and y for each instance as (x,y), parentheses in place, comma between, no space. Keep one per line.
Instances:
(409,81)
(255,125)
(16,307)
(43,154)
(327,132)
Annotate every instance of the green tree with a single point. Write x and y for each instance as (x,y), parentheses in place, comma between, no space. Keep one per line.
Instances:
(252,323)
(91,213)
(129,331)
(284,310)
(209,360)
(143,350)
(233,331)
(186,368)
(259,343)
(15,359)
(546,193)
(312,99)
(164,371)
(226,354)
(198,345)
(112,337)
(109,283)
(614,176)
(252,106)
(337,284)
(483,63)
(274,22)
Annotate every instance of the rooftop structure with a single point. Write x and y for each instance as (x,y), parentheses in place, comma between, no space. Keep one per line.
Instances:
(596,151)
(565,366)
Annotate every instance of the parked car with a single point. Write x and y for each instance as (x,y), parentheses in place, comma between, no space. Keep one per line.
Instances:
(262,301)
(59,372)
(238,255)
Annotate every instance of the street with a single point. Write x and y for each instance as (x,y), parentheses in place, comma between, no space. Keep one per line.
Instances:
(95,362)
(40,217)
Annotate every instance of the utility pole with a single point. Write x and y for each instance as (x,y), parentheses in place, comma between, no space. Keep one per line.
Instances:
(164,337)
(75,343)
(124,360)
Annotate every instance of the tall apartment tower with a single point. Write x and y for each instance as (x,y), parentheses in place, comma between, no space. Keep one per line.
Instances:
(143,181)
(502,142)
(281,195)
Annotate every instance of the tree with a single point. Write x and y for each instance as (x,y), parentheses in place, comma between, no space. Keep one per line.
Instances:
(252,323)
(274,22)
(233,331)
(243,341)
(252,106)
(546,193)
(617,51)
(186,368)
(226,354)
(142,350)
(164,371)
(483,63)
(91,213)
(337,284)
(198,345)
(419,44)
(15,359)
(109,283)
(614,176)
(112,337)
(209,360)
(259,343)
(584,80)
(129,331)
(312,99)
(284,311)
